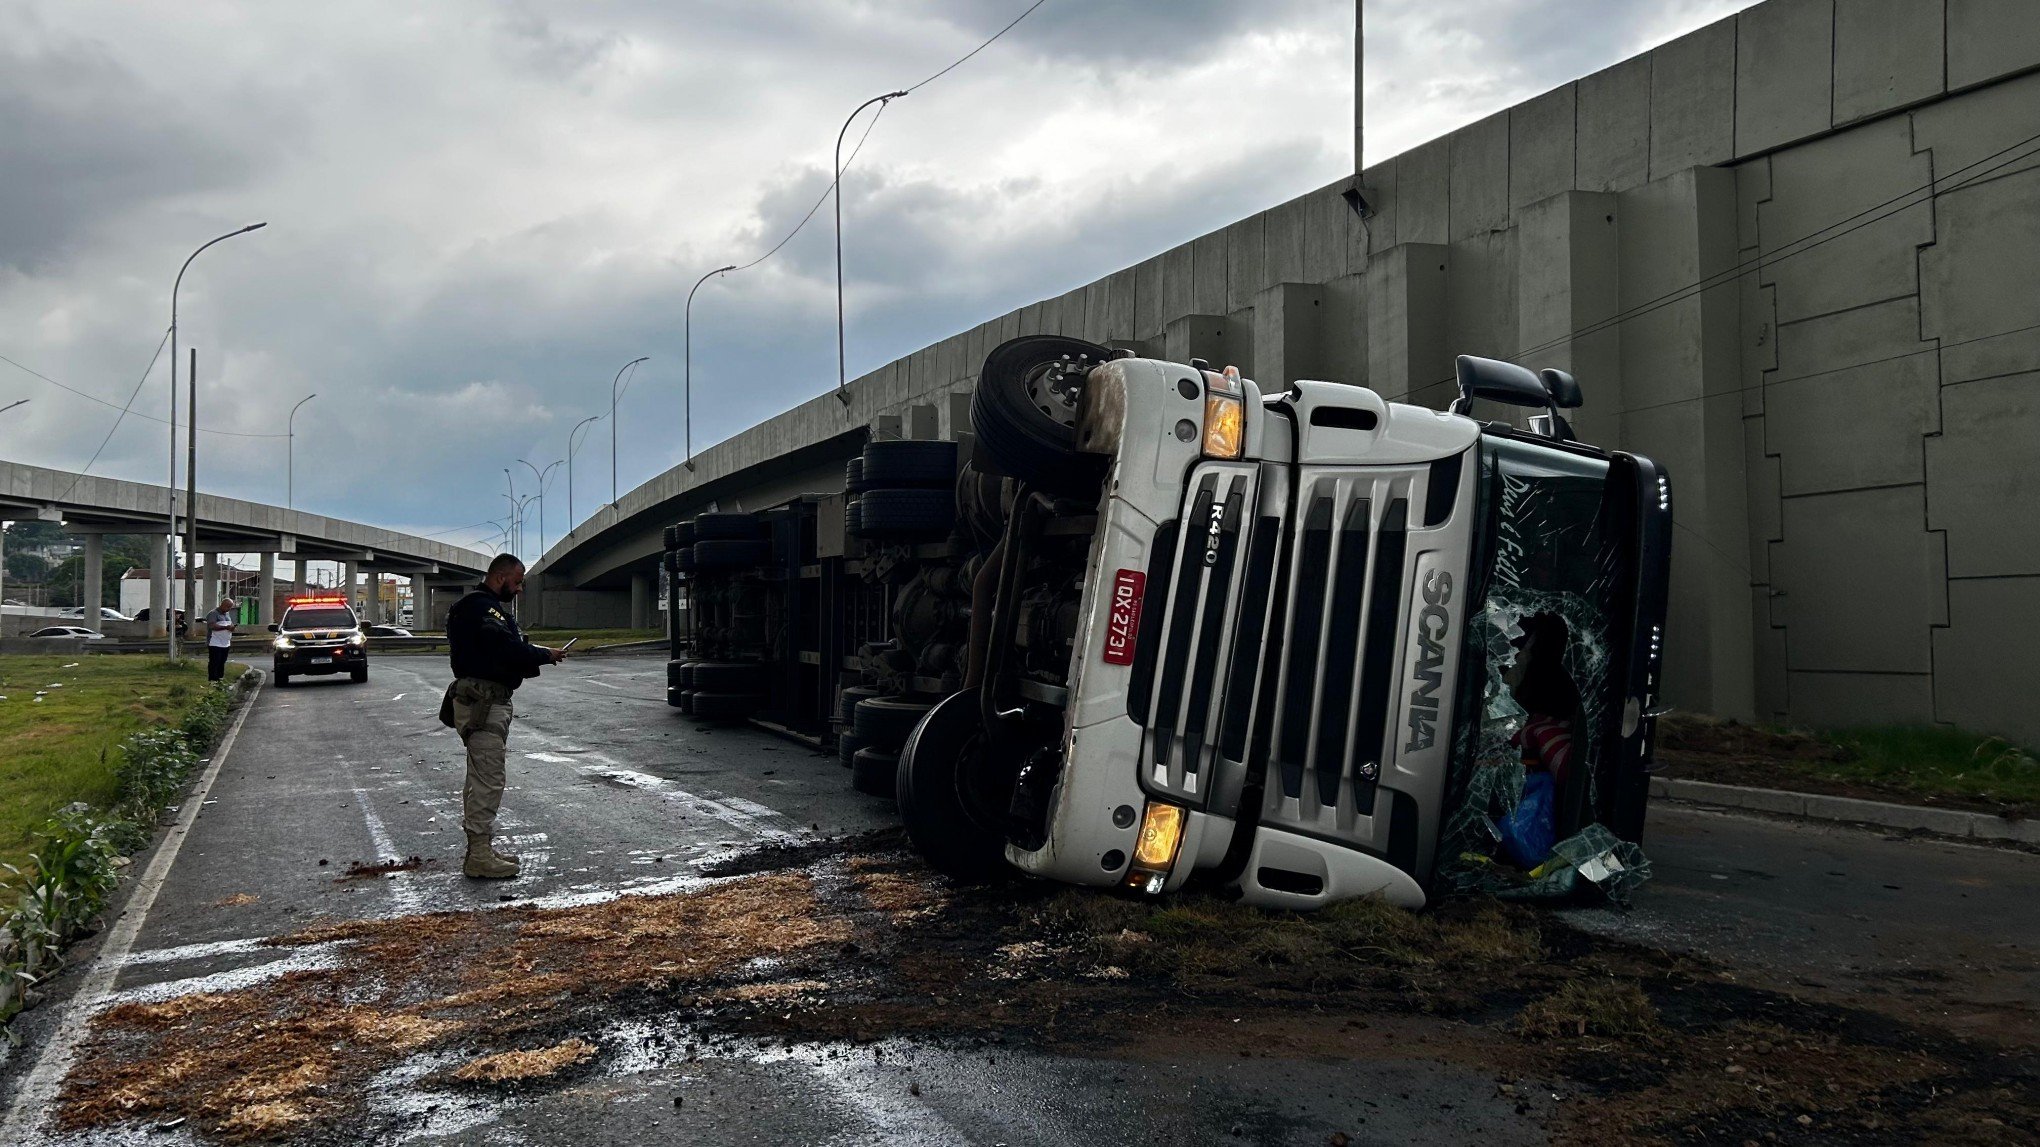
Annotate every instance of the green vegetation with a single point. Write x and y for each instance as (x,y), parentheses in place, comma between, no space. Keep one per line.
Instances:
(1939,761)
(1606,1007)
(65,747)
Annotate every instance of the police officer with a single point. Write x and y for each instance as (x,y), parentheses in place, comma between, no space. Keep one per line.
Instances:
(491,657)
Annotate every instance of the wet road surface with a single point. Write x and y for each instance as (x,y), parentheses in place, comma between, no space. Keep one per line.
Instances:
(613,792)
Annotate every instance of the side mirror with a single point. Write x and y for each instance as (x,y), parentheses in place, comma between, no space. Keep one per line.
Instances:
(1563,388)
(272,628)
(1497,381)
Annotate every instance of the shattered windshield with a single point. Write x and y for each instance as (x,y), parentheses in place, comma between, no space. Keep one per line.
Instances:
(1535,691)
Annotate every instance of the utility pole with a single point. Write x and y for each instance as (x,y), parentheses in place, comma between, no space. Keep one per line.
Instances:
(190,497)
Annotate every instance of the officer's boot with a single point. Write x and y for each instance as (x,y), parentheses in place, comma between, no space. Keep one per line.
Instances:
(485,863)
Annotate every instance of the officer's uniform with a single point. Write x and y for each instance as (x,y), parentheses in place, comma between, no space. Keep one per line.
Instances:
(491,657)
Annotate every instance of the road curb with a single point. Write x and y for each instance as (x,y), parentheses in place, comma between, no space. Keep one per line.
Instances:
(1959,823)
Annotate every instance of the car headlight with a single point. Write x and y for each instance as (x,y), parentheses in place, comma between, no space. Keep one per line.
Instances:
(1225,416)
(1154,855)
(358,639)
(285,643)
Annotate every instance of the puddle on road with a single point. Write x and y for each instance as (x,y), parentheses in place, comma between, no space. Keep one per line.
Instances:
(832,953)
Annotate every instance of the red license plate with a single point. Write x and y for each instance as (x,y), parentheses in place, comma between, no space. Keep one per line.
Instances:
(1123,626)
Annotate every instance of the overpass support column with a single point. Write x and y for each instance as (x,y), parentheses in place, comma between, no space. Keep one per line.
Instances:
(641,588)
(265,590)
(349,573)
(210,587)
(159,587)
(92,594)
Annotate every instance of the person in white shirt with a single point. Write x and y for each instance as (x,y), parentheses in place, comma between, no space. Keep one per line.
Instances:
(219,638)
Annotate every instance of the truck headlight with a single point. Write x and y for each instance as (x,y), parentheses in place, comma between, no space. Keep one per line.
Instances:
(1154,855)
(1225,418)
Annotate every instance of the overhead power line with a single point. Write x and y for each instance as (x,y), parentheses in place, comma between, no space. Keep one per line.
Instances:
(981,47)
(136,413)
(87,468)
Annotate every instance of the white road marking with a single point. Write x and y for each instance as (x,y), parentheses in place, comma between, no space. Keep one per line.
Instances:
(601,682)
(316,957)
(36,1097)
(746,816)
(402,891)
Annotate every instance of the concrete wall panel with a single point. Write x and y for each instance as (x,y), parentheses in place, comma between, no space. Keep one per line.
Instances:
(1991,38)
(1819,268)
(1860,582)
(1407,292)
(1843,429)
(1480,176)
(1692,100)
(1986,661)
(1541,148)
(1246,266)
(1842,700)
(1614,128)
(1383,182)
(1482,319)
(1343,331)
(1982,278)
(1288,322)
(1568,264)
(1147,298)
(1121,291)
(1423,203)
(1983,477)
(1208,283)
(1784,73)
(1283,228)
(1772,682)
(1888,53)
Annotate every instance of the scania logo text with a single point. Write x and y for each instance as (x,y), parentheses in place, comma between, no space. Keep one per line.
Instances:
(1434,621)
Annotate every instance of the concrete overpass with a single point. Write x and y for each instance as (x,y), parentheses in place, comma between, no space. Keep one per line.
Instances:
(93,507)
(1791,255)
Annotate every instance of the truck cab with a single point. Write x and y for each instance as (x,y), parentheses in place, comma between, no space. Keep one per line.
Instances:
(1290,638)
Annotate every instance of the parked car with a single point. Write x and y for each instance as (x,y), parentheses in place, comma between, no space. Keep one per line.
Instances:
(68,633)
(386,631)
(106,613)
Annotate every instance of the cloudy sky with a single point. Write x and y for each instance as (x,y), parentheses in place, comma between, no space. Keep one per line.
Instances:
(479,210)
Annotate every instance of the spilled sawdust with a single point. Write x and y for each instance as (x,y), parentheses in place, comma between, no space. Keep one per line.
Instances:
(519,1066)
(237,900)
(274,1058)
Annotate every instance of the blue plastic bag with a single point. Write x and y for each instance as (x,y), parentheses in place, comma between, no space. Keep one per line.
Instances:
(1527,832)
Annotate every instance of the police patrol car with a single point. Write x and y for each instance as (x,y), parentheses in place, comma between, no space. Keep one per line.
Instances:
(319,635)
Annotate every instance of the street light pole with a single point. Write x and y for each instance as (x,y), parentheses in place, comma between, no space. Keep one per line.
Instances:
(12,405)
(612,422)
(842,392)
(572,522)
(687,363)
(170,549)
(541,501)
(290,454)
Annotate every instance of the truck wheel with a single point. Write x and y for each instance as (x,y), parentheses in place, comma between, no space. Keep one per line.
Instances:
(931,771)
(683,535)
(727,527)
(846,702)
(683,560)
(873,771)
(853,517)
(884,722)
(906,513)
(725,706)
(724,554)
(686,701)
(676,697)
(1025,412)
(671,535)
(847,745)
(727,676)
(930,465)
(853,476)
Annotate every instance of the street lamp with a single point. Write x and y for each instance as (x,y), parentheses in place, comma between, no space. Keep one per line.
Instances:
(170,549)
(541,501)
(612,422)
(687,363)
(571,520)
(290,455)
(12,405)
(841,392)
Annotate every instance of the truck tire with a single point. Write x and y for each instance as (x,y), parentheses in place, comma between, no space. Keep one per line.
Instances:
(672,537)
(725,706)
(727,527)
(846,701)
(683,560)
(911,465)
(906,513)
(873,772)
(853,476)
(724,554)
(1024,412)
(727,676)
(884,722)
(676,697)
(853,517)
(847,745)
(683,535)
(938,822)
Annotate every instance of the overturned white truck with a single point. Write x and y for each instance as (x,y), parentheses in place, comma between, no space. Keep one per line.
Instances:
(1174,629)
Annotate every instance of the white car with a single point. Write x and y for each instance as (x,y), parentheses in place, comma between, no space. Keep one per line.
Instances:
(106,613)
(68,633)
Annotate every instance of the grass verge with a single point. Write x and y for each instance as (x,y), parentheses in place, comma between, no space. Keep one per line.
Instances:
(1917,764)
(61,722)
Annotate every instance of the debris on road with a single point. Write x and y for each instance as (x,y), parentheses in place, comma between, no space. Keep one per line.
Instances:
(520,1066)
(356,870)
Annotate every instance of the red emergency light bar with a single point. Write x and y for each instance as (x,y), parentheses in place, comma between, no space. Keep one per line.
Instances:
(315,601)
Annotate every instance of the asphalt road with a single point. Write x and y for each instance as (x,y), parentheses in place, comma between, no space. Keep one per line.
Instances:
(611,791)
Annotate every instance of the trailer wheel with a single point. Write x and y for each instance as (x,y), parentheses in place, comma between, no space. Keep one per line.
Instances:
(724,554)
(909,464)
(676,697)
(853,475)
(727,527)
(683,560)
(906,513)
(727,676)
(928,787)
(1025,412)
(725,706)
(847,745)
(846,702)
(683,535)
(853,517)
(873,771)
(885,721)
